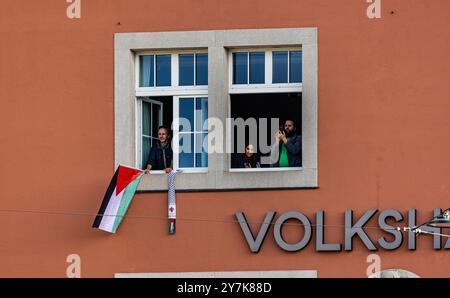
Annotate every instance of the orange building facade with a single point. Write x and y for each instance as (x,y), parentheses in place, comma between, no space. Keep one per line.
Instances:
(374,114)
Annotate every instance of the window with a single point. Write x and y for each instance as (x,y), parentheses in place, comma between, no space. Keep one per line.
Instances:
(287,66)
(265,92)
(265,70)
(151,120)
(295,67)
(258,111)
(148,71)
(193,69)
(193,132)
(248,68)
(280,67)
(171,72)
(215,74)
(173,85)
(154,112)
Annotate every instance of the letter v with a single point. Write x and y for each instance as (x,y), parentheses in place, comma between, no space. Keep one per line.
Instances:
(255,244)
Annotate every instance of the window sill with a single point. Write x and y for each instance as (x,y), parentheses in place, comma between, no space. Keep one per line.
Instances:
(216,190)
(275,88)
(184,171)
(158,172)
(234,179)
(171,91)
(257,170)
(193,171)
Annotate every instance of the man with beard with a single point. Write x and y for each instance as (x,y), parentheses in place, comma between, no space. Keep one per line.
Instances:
(286,151)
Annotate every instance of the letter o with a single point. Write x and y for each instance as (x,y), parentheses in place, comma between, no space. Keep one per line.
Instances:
(279,225)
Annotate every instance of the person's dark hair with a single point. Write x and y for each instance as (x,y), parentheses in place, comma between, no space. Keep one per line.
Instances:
(247,143)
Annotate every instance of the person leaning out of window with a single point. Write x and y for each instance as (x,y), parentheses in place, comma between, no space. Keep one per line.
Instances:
(286,151)
(161,154)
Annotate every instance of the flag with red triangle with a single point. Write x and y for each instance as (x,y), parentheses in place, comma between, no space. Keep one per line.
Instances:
(117,198)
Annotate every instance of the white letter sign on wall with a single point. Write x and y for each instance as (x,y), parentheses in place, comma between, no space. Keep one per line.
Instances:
(74,9)
(374,9)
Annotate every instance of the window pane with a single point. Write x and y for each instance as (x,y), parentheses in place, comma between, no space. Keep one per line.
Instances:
(146,71)
(257,67)
(146,145)
(198,114)
(295,67)
(201,147)
(156,120)
(202,69)
(240,68)
(186,111)
(201,116)
(204,114)
(186,69)
(186,155)
(146,118)
(280,67)
(163,70)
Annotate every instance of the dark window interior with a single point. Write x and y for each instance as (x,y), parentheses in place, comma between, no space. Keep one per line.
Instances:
(167,102)
(271,105)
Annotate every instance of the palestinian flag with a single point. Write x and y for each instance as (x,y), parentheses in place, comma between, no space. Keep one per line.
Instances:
(117,198)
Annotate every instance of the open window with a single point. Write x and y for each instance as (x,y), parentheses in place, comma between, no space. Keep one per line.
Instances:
(172,85)
(265,93)
(154,112)
(224,74)
(257,118)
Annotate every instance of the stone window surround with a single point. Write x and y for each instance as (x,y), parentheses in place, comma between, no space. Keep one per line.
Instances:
(224,274)
(218,176)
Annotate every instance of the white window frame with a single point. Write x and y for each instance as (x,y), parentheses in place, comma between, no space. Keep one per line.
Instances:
(223,274)
(176,143)
(195,68)
(268,86)
(175,91)
(127,46)
(140,124)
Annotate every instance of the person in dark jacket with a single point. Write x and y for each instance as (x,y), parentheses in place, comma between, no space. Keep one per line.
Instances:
(287,148)
(161,154)
(249,159)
